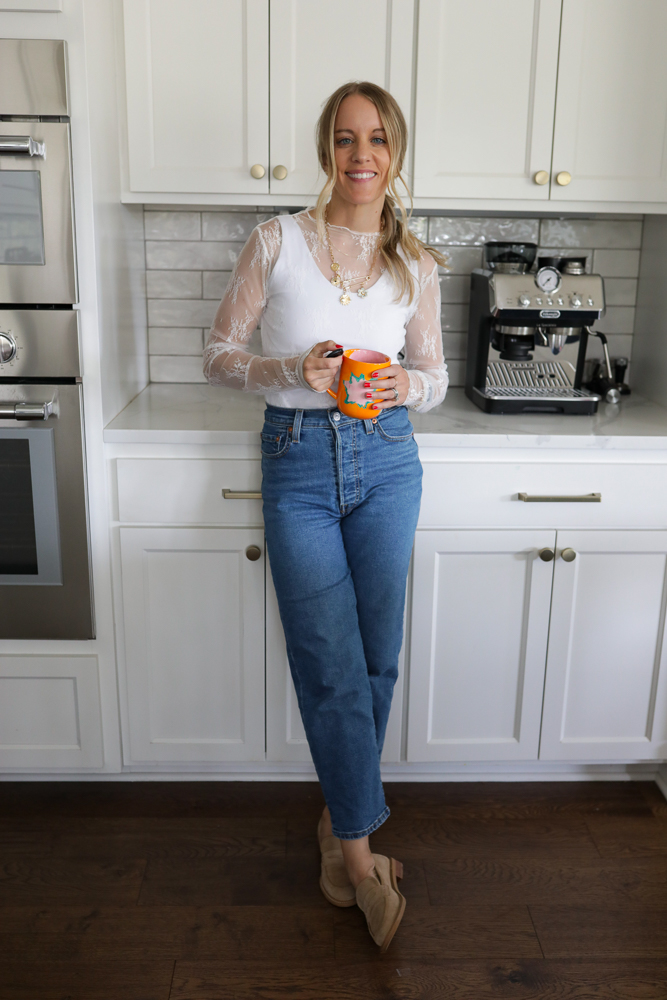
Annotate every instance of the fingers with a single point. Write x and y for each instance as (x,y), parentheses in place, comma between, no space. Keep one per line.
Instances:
(319,350)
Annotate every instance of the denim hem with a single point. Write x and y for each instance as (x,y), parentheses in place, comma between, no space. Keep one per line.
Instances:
(363,833)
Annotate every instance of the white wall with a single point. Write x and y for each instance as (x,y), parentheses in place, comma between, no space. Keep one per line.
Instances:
(649,358)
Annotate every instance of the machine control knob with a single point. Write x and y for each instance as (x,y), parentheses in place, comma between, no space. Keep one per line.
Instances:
(575,301)
(524,300)
(591,302)
(7,348)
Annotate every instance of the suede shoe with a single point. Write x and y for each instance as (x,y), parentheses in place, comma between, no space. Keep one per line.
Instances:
(381,902)
(334,880)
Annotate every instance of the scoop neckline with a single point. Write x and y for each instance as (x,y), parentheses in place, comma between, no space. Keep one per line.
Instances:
(332,225)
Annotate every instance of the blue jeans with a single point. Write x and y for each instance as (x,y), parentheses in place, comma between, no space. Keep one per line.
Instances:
(341,502)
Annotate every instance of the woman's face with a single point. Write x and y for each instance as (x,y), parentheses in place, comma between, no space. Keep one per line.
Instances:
(362,152)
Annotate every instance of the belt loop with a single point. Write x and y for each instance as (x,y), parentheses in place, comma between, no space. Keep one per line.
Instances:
(370,426)
(296,426)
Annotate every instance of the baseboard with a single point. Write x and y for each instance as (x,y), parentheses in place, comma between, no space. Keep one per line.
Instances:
(455,772)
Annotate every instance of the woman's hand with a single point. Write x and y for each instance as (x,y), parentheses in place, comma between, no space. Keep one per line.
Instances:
(381,388)
(318,371)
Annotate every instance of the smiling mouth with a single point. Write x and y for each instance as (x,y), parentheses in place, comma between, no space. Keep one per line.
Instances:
(361,175)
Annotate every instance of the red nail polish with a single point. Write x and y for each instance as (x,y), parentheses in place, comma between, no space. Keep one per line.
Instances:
(339,345)
(367,385)
(374,407)
(369,395)
(374,374)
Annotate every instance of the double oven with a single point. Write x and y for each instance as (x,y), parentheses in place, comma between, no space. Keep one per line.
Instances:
(45,578)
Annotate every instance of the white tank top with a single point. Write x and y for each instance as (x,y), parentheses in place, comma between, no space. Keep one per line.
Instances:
(303,308)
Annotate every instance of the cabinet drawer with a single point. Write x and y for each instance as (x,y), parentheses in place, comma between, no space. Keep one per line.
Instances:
(188,491)
(471,494)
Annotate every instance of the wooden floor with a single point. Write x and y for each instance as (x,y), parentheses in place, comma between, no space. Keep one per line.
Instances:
(208,891)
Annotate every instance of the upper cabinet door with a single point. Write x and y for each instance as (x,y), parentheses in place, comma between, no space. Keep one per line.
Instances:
(486,84)
(316,47)
(611,112)
(197,95)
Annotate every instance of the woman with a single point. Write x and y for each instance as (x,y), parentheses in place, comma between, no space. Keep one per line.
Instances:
(341,495)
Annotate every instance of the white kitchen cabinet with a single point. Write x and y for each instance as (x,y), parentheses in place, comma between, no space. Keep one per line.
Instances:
(193,607)
(316,47)
(197,79)
(285,735)
(480,621)
(606,685)
(486,84)
(611,111)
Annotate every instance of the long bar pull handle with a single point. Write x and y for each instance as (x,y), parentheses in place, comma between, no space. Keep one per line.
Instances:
(26,411)
(240,495)
(583,498)
(21,145)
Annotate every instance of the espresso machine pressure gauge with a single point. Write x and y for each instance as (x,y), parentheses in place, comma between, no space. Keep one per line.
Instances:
(547,279)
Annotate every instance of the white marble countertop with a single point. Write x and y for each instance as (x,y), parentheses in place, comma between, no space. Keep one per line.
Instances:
(203,414)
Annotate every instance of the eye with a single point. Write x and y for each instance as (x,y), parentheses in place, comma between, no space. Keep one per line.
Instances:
(343,141)
(378,138)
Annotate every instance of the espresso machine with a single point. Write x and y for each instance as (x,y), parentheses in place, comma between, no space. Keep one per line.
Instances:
(528,332)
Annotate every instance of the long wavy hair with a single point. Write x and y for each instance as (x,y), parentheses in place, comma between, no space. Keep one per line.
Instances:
(396,235)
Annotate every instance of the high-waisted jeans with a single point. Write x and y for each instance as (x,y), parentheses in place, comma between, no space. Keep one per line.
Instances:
(341,501)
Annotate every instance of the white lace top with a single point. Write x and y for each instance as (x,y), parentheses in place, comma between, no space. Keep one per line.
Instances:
(282,278)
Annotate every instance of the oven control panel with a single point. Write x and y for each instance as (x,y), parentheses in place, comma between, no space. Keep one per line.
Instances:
(39,343)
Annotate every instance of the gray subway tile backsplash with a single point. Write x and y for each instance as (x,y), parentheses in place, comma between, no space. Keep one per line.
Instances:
(191,252)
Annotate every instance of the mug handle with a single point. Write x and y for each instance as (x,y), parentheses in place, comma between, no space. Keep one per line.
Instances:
(335,395)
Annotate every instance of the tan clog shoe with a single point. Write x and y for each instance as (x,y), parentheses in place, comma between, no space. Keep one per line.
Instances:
(334,880)
(381,902)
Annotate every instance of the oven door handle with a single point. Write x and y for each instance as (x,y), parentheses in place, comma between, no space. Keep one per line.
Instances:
(26,411)
(21,145)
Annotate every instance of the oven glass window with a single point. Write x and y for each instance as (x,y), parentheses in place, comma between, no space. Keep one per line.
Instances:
(21,224)
(18,544)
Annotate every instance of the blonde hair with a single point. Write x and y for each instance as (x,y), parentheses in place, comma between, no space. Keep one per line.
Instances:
(395,232)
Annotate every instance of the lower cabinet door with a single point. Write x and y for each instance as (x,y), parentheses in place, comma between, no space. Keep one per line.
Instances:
(285,735)
(606,686)
(193,604)
(479,629)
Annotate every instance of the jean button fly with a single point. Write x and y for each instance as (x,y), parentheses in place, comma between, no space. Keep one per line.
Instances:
(336,416)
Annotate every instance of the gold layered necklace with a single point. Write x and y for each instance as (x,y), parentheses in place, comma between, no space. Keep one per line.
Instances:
(338,281)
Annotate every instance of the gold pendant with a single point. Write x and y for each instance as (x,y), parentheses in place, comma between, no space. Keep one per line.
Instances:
(335,266)
(345,299)
(335,281)
(361,292)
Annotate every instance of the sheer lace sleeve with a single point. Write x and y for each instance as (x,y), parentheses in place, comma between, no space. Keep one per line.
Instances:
(226,362)
(424,359)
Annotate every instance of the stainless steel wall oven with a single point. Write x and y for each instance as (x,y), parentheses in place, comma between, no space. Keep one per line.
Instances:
(45,579)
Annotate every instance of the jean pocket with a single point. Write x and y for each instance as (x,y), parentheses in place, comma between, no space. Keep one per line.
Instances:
(393,437)
(275,442)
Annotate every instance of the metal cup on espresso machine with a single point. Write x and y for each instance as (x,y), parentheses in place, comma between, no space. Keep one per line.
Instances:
(528,332)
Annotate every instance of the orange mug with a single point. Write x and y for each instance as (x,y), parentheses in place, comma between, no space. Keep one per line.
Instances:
(357,367)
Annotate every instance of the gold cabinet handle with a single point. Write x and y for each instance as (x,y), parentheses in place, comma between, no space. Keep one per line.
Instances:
(280,172)
(563,178)
(546,555)
(257,171)
(541,177)
(583,498)
(240,495)
(568,555)
(253,552)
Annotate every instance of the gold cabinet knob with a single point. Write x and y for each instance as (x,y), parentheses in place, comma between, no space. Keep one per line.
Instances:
(568,555)
(280,172)
(257,171)
(563,178)
(546,555)
(541,177)
(253,552)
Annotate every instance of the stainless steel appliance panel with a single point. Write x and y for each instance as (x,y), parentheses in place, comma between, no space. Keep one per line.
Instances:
(33,77)
(39,342)
(37,250)
(54,491)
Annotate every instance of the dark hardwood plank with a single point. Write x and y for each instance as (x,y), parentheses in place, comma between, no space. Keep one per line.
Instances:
(439,932)
(627,836)
(449,980)
(148,837)
(66,980)
(656,801)
(217,882)
(63,880)
(19,837)
(271,934)
(631,930)
(404,837)
(602,882)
